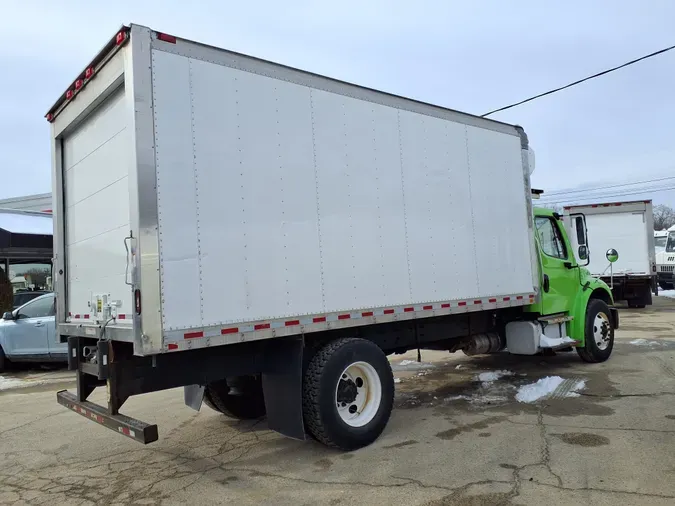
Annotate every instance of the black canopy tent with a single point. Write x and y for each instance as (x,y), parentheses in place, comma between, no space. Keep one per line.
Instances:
(25,238)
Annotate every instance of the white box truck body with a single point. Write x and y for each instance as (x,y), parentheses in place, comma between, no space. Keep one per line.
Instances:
(628,228)
(241,229)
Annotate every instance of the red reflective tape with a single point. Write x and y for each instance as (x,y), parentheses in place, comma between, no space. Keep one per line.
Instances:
(291,323)
(262,326)
(520,297)
(427,308)
(193,335)
(319,319)
(408,309)
(166,38)
(172,346)
(461,303)
(125,431)
(477,301)
(492,301)
(531,296)
(445,306)
(344,317)
(594,205)
(506,299)
(121,317)
(98,418)
(618,204)
(367,313)
(234,330)
(77,316)
(86,317)
(388,311)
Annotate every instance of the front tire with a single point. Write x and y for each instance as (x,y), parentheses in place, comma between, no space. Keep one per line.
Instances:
(599,333)
(348,393)
(241,397)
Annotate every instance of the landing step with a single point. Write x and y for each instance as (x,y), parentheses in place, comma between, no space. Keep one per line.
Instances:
(554,319)
(561,346)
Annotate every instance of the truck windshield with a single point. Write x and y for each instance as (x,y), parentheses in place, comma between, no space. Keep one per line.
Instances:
(670,247)
(660,243)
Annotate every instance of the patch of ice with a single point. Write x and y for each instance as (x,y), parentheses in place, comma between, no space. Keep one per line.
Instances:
(408,362)
(546,387)
(489,377)
(644,342)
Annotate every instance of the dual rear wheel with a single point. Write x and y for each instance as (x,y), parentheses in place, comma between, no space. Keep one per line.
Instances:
(347,396)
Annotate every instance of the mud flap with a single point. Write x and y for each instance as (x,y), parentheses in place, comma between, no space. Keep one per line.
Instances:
(194,395)
(282,386)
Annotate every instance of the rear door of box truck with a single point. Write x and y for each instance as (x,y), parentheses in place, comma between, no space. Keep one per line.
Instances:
(93,157)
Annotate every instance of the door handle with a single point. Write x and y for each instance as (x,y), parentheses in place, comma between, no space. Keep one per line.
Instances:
(39,324)
(547,283)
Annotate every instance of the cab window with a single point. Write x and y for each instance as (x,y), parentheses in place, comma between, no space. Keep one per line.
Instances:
(550,239)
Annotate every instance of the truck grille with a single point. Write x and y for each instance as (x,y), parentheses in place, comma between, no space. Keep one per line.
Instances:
(666,268)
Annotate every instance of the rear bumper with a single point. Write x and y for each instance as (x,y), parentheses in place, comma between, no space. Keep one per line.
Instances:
(135,429)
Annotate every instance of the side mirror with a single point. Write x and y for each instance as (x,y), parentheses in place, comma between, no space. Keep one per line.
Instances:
(583,252)
(8,316)
(612,255)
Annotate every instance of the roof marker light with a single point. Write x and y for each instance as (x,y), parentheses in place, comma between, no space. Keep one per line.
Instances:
(166,38)
(50,117)
(78,84)
(69,94)
(89,73)
(121,37)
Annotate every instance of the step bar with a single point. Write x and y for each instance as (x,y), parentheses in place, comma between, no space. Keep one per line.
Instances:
(135,429)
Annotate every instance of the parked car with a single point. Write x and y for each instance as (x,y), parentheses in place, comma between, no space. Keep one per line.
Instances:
(24,296)
(28,334)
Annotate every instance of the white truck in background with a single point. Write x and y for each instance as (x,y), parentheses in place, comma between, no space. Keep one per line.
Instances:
(626,227)
(664,241)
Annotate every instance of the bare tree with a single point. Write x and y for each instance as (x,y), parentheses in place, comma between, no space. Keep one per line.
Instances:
(664,217)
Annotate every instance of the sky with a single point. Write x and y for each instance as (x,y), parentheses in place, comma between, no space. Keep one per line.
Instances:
(472,56)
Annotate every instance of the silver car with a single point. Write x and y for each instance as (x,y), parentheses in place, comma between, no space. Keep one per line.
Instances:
(28,334)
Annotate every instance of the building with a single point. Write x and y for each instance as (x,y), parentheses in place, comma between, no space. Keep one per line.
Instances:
(39,202)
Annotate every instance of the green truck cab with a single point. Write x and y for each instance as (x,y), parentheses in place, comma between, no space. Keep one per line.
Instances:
(572,303)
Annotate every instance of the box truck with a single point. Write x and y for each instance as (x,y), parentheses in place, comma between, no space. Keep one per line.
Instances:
(265,237)
(665,257)
(628,229)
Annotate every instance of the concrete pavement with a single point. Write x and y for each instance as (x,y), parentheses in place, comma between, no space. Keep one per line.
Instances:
(452,440)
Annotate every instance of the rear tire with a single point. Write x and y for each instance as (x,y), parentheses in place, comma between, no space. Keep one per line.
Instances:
(241,397)
(3,360)
(348,393)
(599,333)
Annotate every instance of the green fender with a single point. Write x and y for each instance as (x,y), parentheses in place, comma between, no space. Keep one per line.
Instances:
(593,289)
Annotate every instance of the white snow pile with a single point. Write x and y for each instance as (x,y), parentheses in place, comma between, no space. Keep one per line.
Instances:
(411,365)
(397,380)
(491,376)
(7,383)
(644,342)
(550,386)
(667,293)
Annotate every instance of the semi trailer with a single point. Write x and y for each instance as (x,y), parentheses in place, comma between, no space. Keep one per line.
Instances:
(627,228)
(266,237)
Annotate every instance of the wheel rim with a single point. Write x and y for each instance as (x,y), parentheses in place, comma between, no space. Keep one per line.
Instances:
(358,394)
(601,331)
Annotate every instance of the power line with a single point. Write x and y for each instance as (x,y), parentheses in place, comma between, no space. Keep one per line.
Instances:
(608,196)
(550,92)
(597,188)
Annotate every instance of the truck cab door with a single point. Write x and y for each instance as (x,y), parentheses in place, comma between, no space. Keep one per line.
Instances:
(559,272)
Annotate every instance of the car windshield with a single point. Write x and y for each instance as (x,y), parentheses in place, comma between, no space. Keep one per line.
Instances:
(660,243)
(670,246)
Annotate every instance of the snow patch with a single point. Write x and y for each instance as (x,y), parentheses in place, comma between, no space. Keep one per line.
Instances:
(546,387)
(644,342)
(397,380)
(490,376)
(7,383)
(459,366)
(667,293)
